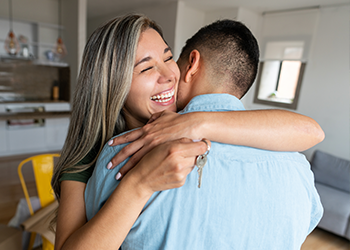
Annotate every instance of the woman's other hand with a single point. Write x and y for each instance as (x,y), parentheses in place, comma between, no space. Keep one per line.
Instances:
(167,165)
(162,127)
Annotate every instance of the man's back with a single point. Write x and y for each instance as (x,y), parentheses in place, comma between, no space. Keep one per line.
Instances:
(249,199)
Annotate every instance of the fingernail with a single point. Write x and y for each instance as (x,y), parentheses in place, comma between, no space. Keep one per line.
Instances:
(118,176)
(110,142)
(109,165)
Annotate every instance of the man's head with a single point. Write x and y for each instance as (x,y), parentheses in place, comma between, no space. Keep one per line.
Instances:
(221,57)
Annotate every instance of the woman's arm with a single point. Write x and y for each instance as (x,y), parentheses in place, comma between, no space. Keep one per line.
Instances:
(108,228)
(164,167)
(277,130)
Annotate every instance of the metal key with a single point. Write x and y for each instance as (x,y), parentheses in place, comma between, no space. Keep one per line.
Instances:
(200,163)
(201,160)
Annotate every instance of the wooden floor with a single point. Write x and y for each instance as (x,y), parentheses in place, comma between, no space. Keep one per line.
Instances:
(11,192)
(323,240)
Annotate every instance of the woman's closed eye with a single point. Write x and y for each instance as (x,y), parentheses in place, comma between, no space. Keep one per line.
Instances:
(144,70)
(166,60)
(169,58)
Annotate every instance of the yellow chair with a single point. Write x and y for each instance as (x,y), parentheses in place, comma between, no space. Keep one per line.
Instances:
(43,169)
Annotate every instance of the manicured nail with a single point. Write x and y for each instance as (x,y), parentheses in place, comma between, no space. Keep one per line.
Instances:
(109,165)
(110,142)
(118,176)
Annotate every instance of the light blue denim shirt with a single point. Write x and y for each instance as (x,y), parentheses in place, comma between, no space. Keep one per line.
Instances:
(249,198)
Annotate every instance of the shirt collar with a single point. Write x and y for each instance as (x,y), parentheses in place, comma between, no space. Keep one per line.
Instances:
(213,102)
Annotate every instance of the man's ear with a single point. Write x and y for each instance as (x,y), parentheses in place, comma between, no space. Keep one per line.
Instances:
(193,65)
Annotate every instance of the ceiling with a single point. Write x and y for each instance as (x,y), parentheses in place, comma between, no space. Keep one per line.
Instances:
(98,8)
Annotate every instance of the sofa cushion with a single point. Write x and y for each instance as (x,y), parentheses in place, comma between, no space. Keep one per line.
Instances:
(331,170)
(336,205)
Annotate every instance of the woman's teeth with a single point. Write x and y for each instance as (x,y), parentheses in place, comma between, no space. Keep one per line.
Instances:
(163,97)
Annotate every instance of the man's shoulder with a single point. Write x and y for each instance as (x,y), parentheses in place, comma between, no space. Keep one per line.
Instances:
(213,102)
(250,154)
(108,152)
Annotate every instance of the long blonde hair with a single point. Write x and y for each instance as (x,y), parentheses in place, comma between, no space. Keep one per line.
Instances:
(101,91)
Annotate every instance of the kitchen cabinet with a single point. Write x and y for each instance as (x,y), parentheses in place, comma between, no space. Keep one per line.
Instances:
(26,130)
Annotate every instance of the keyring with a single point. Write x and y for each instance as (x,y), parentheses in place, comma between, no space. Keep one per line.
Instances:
(208,147)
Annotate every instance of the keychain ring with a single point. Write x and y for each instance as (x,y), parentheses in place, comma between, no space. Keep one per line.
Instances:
(208,147)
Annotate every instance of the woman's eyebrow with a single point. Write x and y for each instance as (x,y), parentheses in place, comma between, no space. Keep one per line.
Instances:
(167,49)
(146,59)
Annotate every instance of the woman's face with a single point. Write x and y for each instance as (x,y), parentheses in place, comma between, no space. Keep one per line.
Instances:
(154,82)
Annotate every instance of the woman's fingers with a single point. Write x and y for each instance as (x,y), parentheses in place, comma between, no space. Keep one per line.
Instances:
(189,148)
(155,117)
(133,160)
(125,138)
(145,140)
(167,165)
(126,152)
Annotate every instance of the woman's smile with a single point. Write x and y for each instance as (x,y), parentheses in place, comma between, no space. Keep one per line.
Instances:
(164,98)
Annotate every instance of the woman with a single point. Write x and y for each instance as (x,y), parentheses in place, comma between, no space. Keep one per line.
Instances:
(117,57)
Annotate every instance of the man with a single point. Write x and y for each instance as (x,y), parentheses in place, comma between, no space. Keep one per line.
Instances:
(249,198)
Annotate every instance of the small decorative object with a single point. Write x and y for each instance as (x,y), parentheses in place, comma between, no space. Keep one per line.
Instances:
(55,91)
(60,49)
(24,44)
(50,55)
(11,43)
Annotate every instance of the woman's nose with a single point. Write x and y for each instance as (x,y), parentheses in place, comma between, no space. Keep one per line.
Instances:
(166,75)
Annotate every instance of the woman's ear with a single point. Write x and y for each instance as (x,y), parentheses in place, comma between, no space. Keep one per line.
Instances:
(193,65)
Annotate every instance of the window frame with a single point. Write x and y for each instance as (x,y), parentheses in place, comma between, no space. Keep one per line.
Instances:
(306,39)
(292,105)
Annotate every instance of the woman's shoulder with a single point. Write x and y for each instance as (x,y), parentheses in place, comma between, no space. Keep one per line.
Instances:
(84,175)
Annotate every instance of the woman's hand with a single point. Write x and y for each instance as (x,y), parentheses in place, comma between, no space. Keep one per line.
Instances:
(162,127)
(166,166)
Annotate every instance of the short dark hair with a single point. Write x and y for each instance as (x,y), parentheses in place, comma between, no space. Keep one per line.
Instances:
(230,49)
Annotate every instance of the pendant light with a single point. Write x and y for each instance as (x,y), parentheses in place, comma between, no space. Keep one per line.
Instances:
(11,44)
(60,48)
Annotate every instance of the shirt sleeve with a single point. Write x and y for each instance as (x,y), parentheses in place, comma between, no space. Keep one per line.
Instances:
(85,175)
(82,176)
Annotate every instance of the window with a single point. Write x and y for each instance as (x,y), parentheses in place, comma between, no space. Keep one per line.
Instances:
(280,74)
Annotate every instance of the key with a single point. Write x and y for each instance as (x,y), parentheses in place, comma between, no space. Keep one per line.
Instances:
(200,163)
(201,160)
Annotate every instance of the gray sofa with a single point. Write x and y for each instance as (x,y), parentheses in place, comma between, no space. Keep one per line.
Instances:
(332,181)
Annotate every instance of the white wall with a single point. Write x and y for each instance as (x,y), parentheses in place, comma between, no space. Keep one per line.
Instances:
(188,22)
(74,20)
(214,15)
(252,20)
(325,93)
(44,11)
(163,14)
(325,90)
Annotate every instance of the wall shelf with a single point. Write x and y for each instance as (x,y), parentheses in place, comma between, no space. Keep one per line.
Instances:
(41,36)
